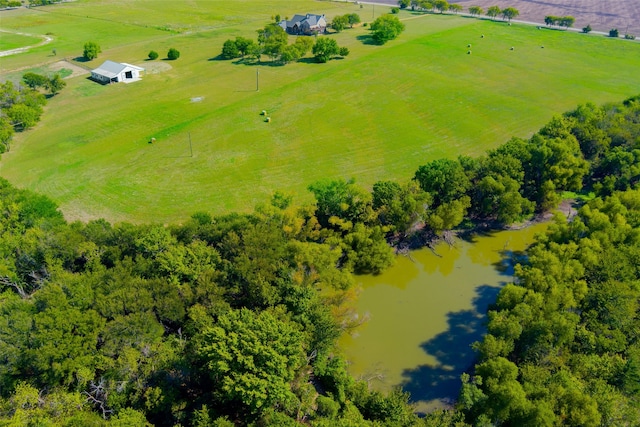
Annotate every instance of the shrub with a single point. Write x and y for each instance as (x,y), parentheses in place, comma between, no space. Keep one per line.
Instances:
(586,29)
(153,55)
(629,37)
(173,54)
(395,10)
(344,51)
(91,51)
(230,50)
(327,407)
(613,32)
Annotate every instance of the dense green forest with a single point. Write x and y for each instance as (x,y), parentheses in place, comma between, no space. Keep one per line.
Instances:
(233,320)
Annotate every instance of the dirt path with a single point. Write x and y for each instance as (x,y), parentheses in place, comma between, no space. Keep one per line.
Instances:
(45,40)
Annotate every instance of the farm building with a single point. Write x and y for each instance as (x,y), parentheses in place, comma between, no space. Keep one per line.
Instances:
(305,24)
(114,72)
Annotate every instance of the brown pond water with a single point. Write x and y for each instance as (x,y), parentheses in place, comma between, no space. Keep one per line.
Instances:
(426,311)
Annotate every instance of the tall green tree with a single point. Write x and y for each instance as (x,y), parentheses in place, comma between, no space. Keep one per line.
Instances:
(339,23)
(34,80)
(476,10)
(455,8)
(445,180)
(6,133)
(399,206)
(23,116)
(91,51)
(567,21)
(493,11)
(386,28)
(325,48)
(251,357)
(509,13)
(441,5)
(272,39)
(173,54)
(340,201)
(230,50)
(353,19)
(55,84)
(245,46)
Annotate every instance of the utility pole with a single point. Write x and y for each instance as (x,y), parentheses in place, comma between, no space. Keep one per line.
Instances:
(190,146)
(257,80)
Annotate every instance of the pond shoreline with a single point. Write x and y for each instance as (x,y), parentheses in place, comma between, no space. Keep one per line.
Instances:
(422,237)
(424,313)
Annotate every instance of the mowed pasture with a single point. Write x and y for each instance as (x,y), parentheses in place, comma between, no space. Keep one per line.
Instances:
(12,41)
(377,114)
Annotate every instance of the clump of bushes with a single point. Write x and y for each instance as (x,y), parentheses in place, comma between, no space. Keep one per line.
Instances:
(385,28)
(339,23)
(613,32)
(326,48)
(238,48)
(173,54)
(629,37)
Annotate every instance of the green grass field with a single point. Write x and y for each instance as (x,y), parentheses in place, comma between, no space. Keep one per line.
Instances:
(378,114)
(11,41)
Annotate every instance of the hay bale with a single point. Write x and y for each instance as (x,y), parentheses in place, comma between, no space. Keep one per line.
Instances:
(268,120)
(468,45)
(511,48)
(152,140)
(263,113)
(468,52)
(482,36)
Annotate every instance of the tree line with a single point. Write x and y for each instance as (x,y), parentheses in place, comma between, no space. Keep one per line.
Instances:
(21,105)
(10,3)
(42,2)
(561,21)
(234,319)
(273,41)
(442,6)
(563,342)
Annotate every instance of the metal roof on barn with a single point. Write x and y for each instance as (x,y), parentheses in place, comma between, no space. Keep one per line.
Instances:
(112,69)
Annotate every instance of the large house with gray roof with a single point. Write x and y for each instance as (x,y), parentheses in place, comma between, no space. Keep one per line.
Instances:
(115,72)
(305,24)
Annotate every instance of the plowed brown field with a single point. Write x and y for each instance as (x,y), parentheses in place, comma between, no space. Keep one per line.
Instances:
(602,15)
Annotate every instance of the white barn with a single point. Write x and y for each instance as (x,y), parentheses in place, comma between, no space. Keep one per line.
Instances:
(115,72)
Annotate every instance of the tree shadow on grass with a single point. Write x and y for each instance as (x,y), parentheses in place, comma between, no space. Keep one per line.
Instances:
(254,63)
(367,39)
(308,60)
(81,59)
(452,351)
